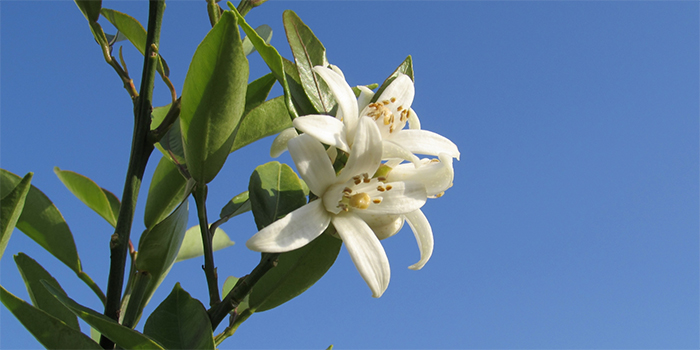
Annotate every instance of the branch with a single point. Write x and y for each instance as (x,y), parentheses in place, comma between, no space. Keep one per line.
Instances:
(141,150)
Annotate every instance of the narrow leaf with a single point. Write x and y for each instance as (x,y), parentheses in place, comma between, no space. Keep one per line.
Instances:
(213,99)
(167,190)
(308,52)
(157,250)
(33,273)
(48,330)
(180,322)
(95,197)
(275,190)
(192,243)
(406,67)
(42,222)
(271,56)
(301,101)
(295,272)
(11,207)
(264,31)
(122,336)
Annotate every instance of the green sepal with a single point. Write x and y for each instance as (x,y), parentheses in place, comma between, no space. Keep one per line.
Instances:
(32,274)
(42,222)
(11,206)
(275,190)
(180,322)
(103,202)
(123,336)
(192,246)
(213,99)
(50,331)
(167,190)
(295,272)
(406,67)
(308,52)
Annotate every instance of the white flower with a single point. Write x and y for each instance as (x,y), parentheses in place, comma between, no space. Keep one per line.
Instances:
(391,113)
(344,200)
(437,176)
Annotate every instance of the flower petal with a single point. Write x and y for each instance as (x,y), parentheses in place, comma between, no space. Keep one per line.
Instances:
(366,153)
(365,97)
(402,90)
(312,163)
(324,128)
(393,150)
(343,94)
(424,237)
(425,142)
(413,121)
(365,250)
(293,231)
(436,176)
(279,145)
(396,197)
(384,226)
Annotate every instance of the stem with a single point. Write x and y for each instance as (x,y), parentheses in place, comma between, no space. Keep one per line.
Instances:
(200,199)
(214,12)
(231,329)
(141,150)
(241,289)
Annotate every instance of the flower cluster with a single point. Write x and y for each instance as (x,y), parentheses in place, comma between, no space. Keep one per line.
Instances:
(382,185)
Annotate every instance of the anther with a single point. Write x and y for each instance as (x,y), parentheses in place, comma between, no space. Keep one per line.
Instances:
(381,189)
(377,200)
(399,108)
(393,99)
(381,178)
(388,187)
(386,102)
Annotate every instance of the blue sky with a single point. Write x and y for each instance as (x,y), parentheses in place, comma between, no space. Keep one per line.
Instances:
(573,220)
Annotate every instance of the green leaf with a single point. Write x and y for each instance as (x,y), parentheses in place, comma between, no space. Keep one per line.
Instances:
(265,120)
(229,283)
(257,91)
(236,206)
(33,273)
(11,206)
(51,332)
(295,272)
(301,101)
(42,222)
(123,336)
(157,250)
(275,190)
(406,67)
(308,52)
(90,9)
(134,31)
(167,190)
(180,322)
(95,197)
(192,243)
(272,58)
(213,99)
(264,31)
